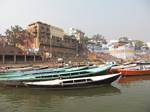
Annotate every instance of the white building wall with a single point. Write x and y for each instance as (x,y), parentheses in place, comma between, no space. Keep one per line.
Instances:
(148,44)
(123,52)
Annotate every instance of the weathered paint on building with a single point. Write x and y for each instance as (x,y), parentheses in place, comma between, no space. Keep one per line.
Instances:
(123,52)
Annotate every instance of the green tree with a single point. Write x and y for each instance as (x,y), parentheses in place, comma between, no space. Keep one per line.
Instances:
(85,40)
(138,44)
(12,33)
(99,38)
(124,39)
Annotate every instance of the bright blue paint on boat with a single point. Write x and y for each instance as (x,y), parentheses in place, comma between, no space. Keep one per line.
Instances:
(21,73)
(77,72)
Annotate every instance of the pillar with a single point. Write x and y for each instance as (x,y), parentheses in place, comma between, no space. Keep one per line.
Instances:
(3,59)
(42,58)
(14,59)
(34,58)
(25,58)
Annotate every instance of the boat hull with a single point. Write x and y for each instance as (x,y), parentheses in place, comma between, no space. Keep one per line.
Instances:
(134,72)
(14,83)
(116,69)
(77,85)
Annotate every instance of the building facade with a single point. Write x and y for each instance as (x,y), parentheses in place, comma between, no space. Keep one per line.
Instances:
(51,41)
(122,52)
(148,44)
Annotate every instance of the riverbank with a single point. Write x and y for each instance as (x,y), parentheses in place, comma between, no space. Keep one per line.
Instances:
(90,59)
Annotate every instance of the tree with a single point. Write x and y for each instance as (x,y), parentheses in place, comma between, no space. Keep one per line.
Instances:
(138,44)
(99,38)
(12,33)
(124,39)
(85,40)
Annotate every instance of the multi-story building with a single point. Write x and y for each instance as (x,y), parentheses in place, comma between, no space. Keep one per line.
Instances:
(44,32)
(51,40)
(122,51)
(97,46)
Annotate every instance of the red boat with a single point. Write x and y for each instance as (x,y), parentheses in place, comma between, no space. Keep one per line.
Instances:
(135,71)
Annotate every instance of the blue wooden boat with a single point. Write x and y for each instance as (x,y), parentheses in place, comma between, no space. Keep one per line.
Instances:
(91,71)
(41,71)
(47,75)
(17,71)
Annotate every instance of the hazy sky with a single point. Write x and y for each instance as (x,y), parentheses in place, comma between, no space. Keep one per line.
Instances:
(111,18)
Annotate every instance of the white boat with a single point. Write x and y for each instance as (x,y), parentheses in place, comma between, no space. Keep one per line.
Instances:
(75,82)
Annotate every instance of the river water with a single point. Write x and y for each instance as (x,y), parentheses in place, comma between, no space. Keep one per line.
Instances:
(131,94)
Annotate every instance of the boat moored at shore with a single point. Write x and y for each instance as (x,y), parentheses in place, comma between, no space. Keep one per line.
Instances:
(76,72)
(75,82)
(135,71)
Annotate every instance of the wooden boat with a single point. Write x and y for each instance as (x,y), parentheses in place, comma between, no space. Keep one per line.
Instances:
(11,70)
(16,71)
(41,71)
(133,71)
(17,81)
(56,73)
(115,69)
(75,82)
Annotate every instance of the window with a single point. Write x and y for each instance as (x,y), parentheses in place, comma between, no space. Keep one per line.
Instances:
(65,82)
(55,75)
(81,80)
(88,80)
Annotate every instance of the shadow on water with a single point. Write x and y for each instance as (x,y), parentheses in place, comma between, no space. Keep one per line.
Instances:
(42,92)
(133,79)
